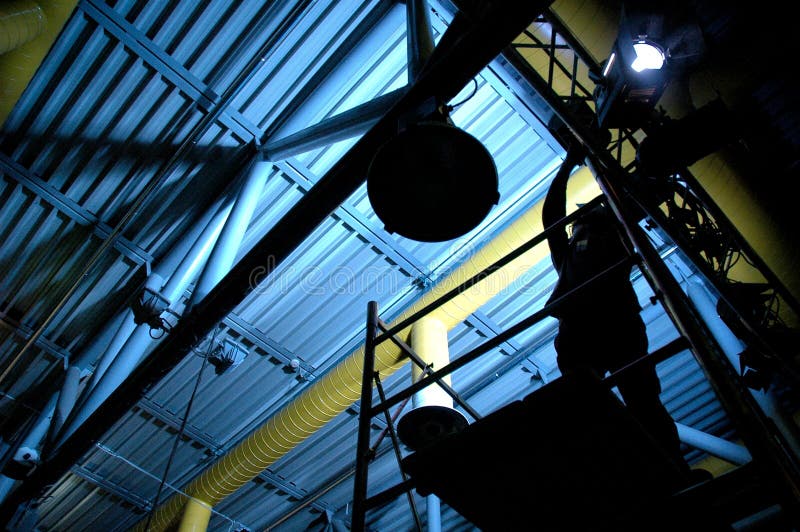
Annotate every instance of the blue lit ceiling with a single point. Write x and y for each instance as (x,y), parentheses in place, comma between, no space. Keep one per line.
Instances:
(144,114)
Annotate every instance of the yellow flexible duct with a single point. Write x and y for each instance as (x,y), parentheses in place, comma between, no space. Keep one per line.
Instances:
(20,21)
(341,387)
(594,23)
(26,48)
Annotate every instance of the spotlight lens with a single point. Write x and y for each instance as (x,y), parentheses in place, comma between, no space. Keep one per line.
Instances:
(648,57)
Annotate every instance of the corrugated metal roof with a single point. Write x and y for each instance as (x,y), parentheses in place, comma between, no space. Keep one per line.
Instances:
(117,112)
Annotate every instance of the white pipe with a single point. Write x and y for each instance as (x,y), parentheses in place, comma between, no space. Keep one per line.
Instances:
(66,398)
(714,445)
(189,268)
(132,351)
(433,513)
(30,444)
(228,243)
(219,243)
(6,484)
(732,347)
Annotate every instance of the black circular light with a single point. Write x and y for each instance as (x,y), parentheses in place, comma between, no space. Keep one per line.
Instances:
(432,182)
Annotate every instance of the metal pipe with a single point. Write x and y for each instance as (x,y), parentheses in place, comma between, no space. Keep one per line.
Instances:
(419,36)
(364,421)
(714,445)
(135,347)
(28,449)
(340,388)
(733,347)
(348,124)
(66,398)
(230,239)
(190,266)
(433,513)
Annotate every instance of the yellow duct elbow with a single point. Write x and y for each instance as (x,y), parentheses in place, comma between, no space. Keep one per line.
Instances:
(20,21)
(27,31)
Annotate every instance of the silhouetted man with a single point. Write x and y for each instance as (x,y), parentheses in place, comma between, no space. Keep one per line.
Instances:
(600,329)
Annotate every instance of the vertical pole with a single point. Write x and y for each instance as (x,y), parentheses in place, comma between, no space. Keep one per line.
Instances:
(433,513)
(396,446)
(196,516)
(364,418)
(757,432)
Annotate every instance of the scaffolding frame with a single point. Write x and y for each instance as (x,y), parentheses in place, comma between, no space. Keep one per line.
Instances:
(767,445)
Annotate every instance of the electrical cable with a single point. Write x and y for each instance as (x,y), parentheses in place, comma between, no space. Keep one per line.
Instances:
(468,98)
(179,435)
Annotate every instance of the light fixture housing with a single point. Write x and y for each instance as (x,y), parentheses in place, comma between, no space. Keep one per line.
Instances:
(633,79)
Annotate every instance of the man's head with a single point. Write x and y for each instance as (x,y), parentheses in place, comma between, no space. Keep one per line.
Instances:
(598,219)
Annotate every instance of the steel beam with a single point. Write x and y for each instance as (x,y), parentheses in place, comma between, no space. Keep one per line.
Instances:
(360,224)
(70,208)
(419,37)
(110,487)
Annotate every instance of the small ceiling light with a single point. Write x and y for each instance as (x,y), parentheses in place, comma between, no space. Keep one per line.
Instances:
(648,56)
(609,64)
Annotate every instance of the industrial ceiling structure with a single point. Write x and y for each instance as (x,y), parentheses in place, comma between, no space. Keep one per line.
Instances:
(148,132)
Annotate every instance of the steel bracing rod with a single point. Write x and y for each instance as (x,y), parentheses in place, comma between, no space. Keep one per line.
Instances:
(483,274)
(553,62)
(426,369)
(419,36)
(396,447)
(363,454)
(465,48)
(388,495)
(659,355)
(756,430)
(574,44)
(343,126)
(498,340)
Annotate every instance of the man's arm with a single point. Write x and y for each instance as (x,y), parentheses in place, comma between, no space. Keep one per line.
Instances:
(555,207)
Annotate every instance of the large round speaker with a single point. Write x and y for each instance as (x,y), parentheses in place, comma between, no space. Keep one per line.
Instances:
(432,182)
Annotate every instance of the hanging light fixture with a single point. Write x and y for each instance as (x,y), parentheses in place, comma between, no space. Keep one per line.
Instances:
(432,181)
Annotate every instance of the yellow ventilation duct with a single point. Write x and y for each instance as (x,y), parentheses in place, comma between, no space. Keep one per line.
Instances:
(20,21)
(341,387)
(27,31)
